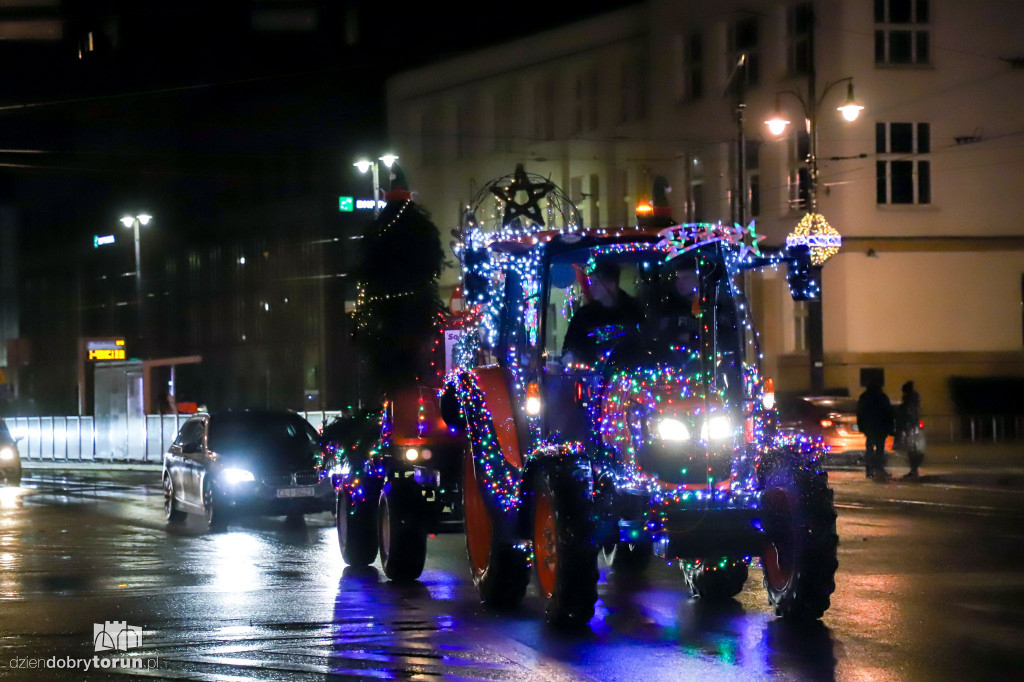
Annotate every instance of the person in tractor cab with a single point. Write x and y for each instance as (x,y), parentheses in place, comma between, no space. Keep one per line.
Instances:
(610,312)
(679,322)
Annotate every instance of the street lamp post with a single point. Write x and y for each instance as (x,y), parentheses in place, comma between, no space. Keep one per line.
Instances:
(134,222)
(850,110)
(365,165)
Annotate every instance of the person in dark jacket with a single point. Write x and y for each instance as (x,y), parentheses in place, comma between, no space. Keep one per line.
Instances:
(875,420)
(908,425)
(610,313)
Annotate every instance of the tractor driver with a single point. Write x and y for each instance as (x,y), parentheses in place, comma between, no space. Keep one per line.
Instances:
(679,322)
(610,312)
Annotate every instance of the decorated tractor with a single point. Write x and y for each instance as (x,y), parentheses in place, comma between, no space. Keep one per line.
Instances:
(397,471)
(609,391)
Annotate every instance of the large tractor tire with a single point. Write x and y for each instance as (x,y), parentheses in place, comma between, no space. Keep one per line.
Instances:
(357,529)
(715,580)
(401,530)
(563,540)
(800,559)
(501,569)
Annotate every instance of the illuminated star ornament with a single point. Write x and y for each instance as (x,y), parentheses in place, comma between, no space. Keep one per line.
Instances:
(535,191)
(748,246)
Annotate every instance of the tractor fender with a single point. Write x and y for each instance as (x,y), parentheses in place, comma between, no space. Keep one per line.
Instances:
(490,426)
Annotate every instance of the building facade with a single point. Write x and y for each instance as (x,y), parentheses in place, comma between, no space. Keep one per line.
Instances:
(924,186)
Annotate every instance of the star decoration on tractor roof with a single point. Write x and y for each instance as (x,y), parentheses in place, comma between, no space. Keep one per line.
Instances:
(530,208)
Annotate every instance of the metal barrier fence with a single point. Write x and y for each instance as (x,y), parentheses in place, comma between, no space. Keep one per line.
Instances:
(76,439)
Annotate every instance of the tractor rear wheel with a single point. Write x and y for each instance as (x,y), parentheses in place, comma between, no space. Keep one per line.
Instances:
(357,531)
(501,570)
(401,530)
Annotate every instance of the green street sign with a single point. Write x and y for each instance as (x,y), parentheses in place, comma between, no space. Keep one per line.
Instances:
(102,240)
(346,204)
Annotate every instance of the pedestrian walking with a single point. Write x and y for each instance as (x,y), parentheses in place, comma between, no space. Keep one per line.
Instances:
(875,419)
(909,436)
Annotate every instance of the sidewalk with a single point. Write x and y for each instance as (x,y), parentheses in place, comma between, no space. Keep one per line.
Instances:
(986,465)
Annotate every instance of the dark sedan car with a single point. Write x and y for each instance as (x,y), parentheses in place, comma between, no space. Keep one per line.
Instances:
(231,463)
(10,459)
(831,419)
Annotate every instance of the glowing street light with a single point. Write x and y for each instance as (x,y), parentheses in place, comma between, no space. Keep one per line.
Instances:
(133,222)
(850,109)
(365,165)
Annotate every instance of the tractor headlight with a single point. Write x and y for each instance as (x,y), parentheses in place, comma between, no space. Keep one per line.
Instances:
(671,429)
(235,476)
(412,454)
(6,453)
(716,428)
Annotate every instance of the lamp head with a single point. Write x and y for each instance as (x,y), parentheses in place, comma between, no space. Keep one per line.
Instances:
(777,124)
(363,165)
(389,159)
(128,221)
(144,218)
(850,109)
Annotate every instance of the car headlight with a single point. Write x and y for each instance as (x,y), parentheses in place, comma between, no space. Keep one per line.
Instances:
(671,429)
(7,453)
(716,428)
(234,476)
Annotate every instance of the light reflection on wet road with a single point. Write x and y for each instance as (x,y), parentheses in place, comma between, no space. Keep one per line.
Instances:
(924,593)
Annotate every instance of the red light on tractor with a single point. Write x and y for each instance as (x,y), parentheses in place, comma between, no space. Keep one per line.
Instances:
(644,209)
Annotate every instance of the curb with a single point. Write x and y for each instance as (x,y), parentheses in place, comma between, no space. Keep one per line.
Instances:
(90,466)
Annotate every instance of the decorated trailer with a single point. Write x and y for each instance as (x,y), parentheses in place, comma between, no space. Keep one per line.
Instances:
(609,390)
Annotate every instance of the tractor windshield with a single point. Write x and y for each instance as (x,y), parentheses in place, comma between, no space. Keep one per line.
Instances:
(606,305)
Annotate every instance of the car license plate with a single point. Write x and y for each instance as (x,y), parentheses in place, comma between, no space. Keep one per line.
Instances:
(305,491)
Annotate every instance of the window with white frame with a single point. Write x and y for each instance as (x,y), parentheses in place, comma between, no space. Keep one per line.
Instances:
(744,38)
(799,24)
(800,327)
(544,109)
(902,171)
(633,89)
(695,199)
(798,179)
(691,74)
(901,32)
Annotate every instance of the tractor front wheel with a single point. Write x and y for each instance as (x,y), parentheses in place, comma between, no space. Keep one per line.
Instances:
(566,556)
(800,558)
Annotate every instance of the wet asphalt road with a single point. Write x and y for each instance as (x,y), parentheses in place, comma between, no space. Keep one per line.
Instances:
(930,586)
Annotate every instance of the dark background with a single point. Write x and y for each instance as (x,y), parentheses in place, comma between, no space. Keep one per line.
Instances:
(234,124)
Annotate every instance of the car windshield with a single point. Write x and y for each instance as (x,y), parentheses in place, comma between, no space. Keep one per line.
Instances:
(282,434)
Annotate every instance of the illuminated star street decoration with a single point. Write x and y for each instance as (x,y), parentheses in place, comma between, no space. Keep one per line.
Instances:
(535,191)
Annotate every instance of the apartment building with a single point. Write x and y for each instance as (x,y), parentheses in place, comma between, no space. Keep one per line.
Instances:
(924,187)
